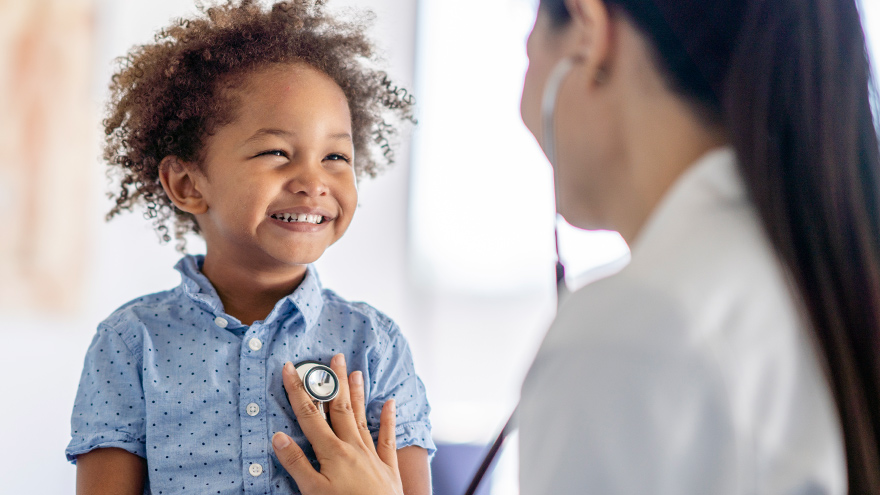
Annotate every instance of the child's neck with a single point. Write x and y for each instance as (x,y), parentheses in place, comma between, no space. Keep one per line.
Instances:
(250,294)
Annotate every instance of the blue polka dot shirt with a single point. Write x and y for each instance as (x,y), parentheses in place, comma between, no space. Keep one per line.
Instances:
(172,378)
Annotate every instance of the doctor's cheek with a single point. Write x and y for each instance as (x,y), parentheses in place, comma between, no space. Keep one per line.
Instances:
(529,105)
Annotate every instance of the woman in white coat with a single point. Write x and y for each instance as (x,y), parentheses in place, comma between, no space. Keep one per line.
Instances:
(731,143)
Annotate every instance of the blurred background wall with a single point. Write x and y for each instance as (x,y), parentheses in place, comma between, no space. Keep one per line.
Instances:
(455,243)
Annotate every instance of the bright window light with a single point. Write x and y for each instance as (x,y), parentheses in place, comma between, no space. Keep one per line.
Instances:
(482,191)
(870,10)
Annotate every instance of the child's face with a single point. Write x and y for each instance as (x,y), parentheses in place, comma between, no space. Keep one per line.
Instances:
(279,182)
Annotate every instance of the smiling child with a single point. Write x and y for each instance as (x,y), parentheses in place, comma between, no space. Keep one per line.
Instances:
(249,126)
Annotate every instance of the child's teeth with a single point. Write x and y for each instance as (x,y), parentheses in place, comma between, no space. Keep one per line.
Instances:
(302,217)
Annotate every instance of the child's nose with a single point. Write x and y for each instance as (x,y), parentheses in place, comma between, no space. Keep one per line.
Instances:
(310,180)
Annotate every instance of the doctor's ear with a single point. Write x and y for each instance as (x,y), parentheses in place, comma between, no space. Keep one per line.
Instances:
(594,25)
(180,182)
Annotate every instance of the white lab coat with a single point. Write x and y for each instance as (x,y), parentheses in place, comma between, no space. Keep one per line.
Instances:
(689,372)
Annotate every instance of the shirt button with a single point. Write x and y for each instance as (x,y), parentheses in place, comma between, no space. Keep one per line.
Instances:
(255,344)
(252,409)
(255,470)
(221,322)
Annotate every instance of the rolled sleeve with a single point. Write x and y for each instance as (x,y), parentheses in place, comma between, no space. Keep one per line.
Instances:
(109,408)
(395,378)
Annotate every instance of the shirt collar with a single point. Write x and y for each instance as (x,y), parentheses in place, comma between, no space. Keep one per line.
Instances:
(712,181)
(307,298)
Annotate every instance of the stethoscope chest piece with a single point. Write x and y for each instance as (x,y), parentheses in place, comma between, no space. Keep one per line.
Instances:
(320,382)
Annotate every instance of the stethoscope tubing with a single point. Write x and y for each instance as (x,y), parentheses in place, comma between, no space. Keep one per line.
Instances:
(548,143)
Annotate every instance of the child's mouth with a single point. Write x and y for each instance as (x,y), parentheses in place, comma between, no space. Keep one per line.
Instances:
(300,218)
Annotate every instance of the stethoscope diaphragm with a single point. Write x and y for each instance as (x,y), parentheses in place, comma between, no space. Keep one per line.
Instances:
(320,382)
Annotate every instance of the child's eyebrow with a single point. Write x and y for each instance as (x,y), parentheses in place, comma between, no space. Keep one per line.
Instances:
(282,133)
(268,132)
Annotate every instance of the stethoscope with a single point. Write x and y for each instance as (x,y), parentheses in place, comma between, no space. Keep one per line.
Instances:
(548,128)
(320,382)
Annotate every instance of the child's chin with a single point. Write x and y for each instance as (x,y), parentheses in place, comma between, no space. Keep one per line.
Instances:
(300,258)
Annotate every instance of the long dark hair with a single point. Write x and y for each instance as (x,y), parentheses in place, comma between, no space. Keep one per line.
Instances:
(791,82)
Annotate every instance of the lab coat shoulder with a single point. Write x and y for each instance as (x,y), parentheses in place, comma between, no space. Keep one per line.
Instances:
(631,392)
(691,371)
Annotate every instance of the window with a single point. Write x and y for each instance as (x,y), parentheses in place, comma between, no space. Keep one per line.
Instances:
(482,191)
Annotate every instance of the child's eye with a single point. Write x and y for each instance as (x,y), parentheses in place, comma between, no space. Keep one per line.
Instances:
(281,153)
(337,156)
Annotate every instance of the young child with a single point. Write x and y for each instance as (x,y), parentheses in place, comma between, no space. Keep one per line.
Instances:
(250,127)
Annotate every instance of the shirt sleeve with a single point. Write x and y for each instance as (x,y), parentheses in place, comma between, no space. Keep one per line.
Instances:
(394,377)
(619,401)
(109,408)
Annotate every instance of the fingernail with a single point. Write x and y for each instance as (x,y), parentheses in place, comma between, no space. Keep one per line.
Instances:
(357,378)
(339,360)
(393,406)
(280,440)
(288,367)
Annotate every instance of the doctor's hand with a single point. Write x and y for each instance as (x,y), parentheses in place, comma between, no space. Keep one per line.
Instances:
(350,462)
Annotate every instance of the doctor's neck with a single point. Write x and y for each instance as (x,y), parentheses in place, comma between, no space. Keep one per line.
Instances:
(660,134)
(663,139)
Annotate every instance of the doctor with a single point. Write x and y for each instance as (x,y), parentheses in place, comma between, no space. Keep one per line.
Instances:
(731,143)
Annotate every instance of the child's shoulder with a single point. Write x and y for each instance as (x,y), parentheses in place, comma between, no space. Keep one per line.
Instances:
(134,322)
(358,311)
(137,310)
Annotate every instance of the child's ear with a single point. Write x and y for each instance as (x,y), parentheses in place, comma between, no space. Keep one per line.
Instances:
(180,184)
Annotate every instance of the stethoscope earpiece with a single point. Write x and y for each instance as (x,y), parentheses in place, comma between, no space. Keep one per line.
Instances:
(320,382)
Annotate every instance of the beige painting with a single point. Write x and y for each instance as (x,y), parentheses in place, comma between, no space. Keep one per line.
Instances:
(48,131)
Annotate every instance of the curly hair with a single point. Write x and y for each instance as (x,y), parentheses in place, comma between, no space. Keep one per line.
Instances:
(168,96)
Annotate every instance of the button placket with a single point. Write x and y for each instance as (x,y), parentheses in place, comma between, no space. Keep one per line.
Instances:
(253,375)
